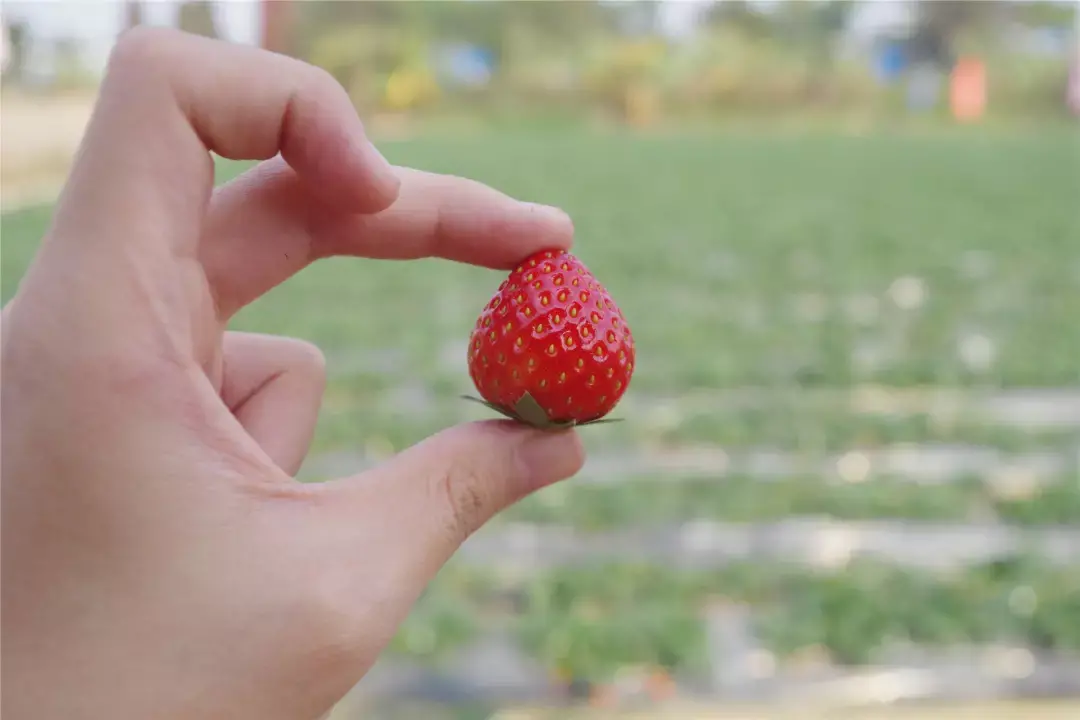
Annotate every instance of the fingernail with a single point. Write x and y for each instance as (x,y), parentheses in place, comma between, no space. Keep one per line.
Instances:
(548,212)
(558,228)
(550,456)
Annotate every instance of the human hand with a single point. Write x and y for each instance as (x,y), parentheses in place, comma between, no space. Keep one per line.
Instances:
(159,559)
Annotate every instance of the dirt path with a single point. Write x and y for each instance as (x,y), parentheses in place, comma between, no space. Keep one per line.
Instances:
(988,711)
(40,135)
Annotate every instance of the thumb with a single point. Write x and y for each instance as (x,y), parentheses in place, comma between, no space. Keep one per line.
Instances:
(434,495)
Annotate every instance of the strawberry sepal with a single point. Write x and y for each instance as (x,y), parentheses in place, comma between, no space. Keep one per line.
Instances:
(529,412)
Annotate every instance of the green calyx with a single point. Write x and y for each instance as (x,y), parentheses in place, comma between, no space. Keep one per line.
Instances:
(529,412)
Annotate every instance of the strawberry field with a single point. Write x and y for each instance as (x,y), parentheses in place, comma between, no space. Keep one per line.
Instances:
(856,408)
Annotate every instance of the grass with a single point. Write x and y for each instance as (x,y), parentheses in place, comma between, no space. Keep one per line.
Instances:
(593,619)
(738,260)
(658,501)
(785,262)
(801,266)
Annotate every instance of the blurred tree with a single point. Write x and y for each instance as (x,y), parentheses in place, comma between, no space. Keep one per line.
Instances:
(197,16)
(586,55)
(566,24)
(530,43)
(18,38)
(547,44)
(815,28)
(638,18)
(941,23)
(743,16)
(133,13)
(1042,13)
(69,71)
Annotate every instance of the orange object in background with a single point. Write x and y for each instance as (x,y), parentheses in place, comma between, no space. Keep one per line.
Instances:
(967,89)
(660,686)
(604,697)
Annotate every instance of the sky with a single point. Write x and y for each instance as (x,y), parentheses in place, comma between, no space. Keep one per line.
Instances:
(97,22)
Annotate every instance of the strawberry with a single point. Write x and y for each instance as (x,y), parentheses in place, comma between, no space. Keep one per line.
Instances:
(551,348)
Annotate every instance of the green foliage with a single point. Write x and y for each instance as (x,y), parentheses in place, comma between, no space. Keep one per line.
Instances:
(594,57)
(1056,504)
(770,262)
(197,16)
(665,500)
(591,621)
(742,260)
(443,619)
(589,624)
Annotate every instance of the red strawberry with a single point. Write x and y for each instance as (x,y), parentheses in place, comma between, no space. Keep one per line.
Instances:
(551,348)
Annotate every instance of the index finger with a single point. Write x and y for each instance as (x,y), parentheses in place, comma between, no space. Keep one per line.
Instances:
(266,225)
(170,98)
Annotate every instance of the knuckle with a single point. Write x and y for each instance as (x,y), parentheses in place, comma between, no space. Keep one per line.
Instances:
(141,46)
(321,80)
(309,360)
(466,505)
(319,88)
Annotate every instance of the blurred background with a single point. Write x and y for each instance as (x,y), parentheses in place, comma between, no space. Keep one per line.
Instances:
(846,237)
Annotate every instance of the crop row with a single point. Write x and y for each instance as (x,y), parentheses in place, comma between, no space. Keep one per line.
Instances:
(357,414)
(588,622)
(648,501)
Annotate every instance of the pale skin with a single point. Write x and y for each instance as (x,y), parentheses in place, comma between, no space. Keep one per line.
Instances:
(159,558)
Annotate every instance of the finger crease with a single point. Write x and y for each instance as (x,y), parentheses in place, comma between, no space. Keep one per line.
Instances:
(238,406)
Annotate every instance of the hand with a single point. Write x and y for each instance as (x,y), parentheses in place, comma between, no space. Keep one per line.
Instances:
(159,559)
